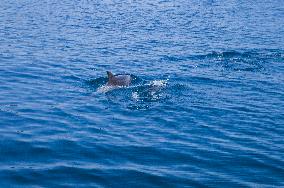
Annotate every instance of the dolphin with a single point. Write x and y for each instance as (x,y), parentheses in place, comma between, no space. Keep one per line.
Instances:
(118,80)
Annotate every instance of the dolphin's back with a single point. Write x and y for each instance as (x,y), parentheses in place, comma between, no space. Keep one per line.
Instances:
(120,80)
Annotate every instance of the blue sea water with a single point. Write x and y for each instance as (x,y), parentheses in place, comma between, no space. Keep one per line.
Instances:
(206,107)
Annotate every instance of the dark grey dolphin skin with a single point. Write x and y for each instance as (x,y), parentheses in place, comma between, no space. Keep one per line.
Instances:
(118,80)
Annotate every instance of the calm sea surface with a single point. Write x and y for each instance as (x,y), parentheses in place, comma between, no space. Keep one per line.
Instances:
(205,109)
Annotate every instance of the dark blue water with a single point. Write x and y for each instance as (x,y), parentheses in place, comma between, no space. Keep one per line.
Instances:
(205,109)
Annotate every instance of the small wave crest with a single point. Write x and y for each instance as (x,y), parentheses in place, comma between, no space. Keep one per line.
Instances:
(236,61)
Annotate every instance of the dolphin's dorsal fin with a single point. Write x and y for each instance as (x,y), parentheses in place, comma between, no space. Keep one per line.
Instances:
(109,75)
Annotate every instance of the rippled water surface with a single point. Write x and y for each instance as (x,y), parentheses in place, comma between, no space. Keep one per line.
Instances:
(205,107)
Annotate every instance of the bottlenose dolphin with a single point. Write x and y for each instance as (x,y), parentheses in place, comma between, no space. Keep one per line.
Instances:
(118,80)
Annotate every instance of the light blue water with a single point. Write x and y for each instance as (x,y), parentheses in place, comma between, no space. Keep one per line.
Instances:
(206,107)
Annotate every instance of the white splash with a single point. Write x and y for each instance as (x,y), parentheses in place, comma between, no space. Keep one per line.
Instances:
(153,91)
(135,95)
(159,83)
